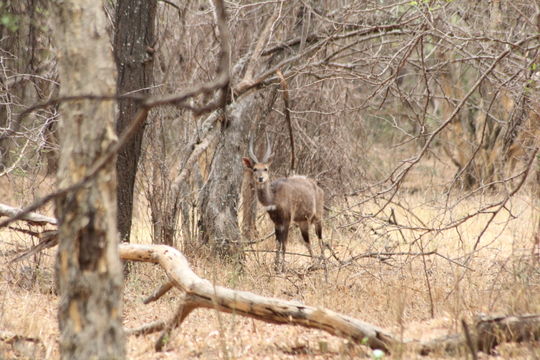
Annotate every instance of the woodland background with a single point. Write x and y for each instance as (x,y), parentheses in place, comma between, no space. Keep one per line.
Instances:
(419,119)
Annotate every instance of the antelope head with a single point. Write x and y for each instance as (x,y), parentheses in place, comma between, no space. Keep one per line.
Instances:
(259,168)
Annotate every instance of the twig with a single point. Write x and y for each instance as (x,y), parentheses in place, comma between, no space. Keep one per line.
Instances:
(428,283)
(503,203)
(380,255)
(252,242)
(287,111)
(147,328)
(47,240)
(468,338)
(10,338)
(159,292)
(454,262)
(256,55)
(272,252)
(170,3)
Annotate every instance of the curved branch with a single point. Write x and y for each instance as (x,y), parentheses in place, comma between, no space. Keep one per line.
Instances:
(202,293)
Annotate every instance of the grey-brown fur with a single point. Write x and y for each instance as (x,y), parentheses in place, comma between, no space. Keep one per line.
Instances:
(295,199)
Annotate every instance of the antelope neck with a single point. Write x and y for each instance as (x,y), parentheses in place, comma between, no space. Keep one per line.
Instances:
(265,194)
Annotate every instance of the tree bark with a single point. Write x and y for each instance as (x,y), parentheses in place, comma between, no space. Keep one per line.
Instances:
(249,206)
(88,268)
(133,49)
(220,196)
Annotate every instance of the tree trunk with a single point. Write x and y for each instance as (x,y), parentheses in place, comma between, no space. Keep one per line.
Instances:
(133,49)
(88,269)
(220,196)
(249,206)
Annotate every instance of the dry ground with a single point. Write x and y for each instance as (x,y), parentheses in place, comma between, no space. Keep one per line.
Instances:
(412,296)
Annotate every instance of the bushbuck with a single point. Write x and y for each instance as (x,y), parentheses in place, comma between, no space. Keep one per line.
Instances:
(295,199)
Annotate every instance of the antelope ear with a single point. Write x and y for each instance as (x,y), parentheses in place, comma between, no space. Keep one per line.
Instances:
(247,162)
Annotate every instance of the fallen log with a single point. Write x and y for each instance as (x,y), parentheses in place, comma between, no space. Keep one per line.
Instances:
(494,330)
(202,293)
(33,218)
(487,332)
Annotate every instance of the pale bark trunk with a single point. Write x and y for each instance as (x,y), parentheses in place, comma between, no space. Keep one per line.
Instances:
(220,196)
(88,268)
(249,206)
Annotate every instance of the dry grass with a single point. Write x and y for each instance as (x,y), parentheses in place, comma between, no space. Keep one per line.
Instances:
(391,292)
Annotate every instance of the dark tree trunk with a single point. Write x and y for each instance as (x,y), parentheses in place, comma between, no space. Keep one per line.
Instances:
(134,40)
(88,267)
(220,196)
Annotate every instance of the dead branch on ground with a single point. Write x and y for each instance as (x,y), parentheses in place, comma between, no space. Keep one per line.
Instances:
(488,332)
(32,218)
(201,293)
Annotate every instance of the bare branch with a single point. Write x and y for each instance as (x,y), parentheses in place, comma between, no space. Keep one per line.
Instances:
(285,94)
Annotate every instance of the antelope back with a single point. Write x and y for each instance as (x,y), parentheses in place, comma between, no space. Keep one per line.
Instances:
(300,196)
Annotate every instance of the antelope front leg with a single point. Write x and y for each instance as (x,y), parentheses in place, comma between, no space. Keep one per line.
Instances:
(282,231)
(278,252)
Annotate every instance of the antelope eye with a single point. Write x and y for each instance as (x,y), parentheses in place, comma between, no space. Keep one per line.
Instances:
(265,169)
